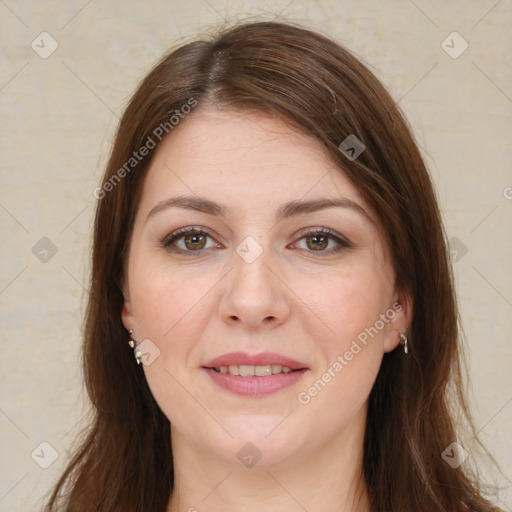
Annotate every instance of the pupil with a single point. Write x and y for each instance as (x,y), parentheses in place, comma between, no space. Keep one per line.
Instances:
(195,239)
(316,239)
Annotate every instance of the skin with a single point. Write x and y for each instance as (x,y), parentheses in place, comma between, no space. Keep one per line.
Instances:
(295,299)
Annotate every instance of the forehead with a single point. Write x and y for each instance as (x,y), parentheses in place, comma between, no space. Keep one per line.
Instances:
(246,159)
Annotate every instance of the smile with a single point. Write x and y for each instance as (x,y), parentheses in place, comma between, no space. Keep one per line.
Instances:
(247,370)
(254,375)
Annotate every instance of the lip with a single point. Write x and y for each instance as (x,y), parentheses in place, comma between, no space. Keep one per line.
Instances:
(263,359)
(254,386)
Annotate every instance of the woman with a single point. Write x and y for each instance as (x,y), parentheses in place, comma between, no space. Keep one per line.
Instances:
(268,243)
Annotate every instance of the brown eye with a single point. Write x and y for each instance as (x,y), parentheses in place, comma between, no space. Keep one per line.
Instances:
(318,242)
(322,241)
(195,241)
(190,241)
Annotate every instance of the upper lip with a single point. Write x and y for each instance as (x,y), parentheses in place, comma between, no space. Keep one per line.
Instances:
(263,359)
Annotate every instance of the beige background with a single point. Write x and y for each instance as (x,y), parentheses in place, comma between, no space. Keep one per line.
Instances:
(58,115)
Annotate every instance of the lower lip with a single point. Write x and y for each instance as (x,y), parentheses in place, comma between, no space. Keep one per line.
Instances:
(254,386)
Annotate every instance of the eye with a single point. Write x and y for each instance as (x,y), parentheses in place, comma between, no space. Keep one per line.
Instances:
(318,240)
(193,239)
(187,240)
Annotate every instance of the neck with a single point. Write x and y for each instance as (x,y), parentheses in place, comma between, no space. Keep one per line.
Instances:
(327,479)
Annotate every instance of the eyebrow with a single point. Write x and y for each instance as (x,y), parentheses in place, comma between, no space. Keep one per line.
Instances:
(290,209)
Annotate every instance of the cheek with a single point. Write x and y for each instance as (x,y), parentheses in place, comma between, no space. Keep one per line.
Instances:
(164,299)
(350,303)
(353,351)
(170,308)
(169,313)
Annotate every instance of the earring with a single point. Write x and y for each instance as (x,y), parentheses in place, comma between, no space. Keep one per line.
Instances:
(403,341)
(136,351)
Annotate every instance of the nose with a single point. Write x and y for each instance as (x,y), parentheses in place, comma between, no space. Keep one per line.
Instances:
(255,296)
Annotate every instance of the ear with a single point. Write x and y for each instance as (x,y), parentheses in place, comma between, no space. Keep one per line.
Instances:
(126,312)
(400,315)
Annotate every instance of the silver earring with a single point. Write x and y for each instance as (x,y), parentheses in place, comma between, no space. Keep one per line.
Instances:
(403,341)
(136,351)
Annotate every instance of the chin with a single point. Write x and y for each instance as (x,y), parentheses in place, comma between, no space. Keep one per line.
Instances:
(259,441)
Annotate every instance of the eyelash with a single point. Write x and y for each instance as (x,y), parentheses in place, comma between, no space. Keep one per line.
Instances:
(169,240)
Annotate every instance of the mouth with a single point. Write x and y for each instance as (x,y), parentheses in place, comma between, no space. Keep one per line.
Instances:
(254,375)
(246,370)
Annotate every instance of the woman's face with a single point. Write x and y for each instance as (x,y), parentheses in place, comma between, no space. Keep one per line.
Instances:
(266,323)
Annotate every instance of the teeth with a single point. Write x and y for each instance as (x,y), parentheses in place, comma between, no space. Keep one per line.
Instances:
(261,371)
(247,370)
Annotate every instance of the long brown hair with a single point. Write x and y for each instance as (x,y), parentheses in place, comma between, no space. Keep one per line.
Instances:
(125,462)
